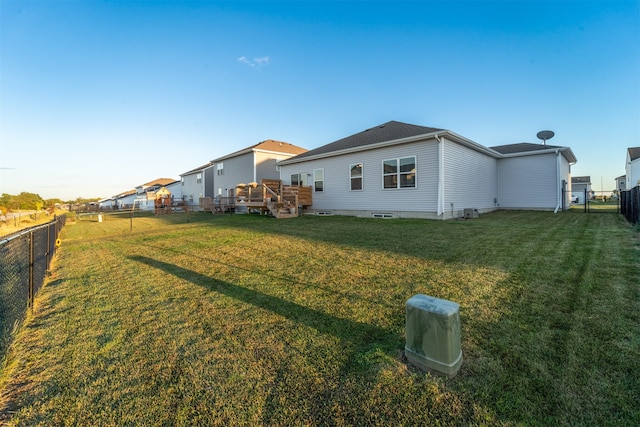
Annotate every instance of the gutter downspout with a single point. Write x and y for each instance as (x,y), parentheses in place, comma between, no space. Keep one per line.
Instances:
(558,189)
(440,175)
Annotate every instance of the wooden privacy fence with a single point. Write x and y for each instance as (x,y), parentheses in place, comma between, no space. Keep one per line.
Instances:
(24,261)
(630,205)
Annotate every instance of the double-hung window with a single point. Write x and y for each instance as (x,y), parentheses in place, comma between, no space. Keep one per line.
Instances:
(295,179)
(355,176)
(220,168)
(399,173)
(318,180)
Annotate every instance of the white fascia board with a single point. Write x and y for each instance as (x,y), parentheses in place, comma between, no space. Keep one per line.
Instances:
(196,170)
(471,144)
(431,135)
(566,152)
(232,155)
(279,153)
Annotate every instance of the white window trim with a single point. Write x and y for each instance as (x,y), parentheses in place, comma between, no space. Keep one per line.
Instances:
(314,181)
(361,176)
(398,173)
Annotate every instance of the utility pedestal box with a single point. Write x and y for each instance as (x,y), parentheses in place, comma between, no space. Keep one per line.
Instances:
(433,334)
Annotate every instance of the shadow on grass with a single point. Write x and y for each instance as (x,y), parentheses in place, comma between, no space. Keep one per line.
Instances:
(322,322)
(359,339)
(361,334)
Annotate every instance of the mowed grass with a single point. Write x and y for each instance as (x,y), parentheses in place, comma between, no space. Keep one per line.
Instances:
(248,320)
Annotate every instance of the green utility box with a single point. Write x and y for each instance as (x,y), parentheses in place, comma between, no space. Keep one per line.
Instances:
(433,334)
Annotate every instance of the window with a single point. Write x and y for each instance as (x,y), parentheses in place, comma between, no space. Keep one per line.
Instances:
(199,178)
(318,180)
(300,179)
(220,168)
(355,176)
(399,173)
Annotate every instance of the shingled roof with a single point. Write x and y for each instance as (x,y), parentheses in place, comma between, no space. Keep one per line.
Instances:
(634,153)
(581,180)
(389,131)
(267,145)
(522,147)
(198,169)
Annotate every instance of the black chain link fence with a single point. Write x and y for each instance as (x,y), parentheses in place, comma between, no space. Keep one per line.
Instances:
(24,260)
(630,205)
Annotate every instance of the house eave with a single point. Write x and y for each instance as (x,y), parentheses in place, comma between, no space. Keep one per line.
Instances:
(566,152)
(198,169)
(416,138)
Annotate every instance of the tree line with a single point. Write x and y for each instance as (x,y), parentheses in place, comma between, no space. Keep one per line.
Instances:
(31,201)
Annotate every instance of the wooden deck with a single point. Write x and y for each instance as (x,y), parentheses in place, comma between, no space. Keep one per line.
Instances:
(270,196)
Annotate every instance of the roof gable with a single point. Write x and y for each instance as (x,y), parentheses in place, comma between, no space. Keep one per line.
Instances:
(389,131)
(279,147)
(634,153)
(267,145)
(159,181)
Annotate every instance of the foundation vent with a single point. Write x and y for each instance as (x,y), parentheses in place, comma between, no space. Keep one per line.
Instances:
(382,215)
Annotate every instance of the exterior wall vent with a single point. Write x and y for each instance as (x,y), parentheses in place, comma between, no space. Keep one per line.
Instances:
(324,213)
(382,215)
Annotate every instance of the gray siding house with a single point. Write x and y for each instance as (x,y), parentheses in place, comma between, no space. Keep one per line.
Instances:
(580,184)
(403,170)
(621,183)
(534,176)
(195,185)
(632,167)
(252,164)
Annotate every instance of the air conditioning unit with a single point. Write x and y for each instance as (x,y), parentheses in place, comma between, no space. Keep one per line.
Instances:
(470,213)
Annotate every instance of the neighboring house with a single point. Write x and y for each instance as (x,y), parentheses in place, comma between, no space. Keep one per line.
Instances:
(175,188)
(632,167)
(580,184)
(251,164)
(145,194)
(403,170)
(621,183)
(107,204)
(196,184)
(124,200)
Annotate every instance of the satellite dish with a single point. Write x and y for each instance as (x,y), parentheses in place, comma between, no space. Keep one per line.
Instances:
(544,135)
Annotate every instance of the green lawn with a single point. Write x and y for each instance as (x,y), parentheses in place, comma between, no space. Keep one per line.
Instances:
(249,320)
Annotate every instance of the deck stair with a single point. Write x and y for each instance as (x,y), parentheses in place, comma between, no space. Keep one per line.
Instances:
(270,196)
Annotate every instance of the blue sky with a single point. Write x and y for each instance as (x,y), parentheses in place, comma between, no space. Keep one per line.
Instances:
(97,97)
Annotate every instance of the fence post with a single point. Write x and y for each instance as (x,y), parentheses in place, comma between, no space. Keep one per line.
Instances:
(48,253)
(31,269)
